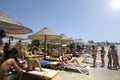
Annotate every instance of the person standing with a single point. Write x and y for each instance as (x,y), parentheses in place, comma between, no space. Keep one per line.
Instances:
(115,57)
(6,48)
(20,48)
(102,51)
(109,59)
(94,53)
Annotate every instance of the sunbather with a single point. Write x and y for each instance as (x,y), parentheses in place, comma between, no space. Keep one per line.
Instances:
(6,65)
(70,65)
(33,61)
(65,61)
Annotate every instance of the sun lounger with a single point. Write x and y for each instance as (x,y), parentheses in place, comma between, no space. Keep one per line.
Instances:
(50,64)
(81,69)
(52,58)
(46,74)
(54,54)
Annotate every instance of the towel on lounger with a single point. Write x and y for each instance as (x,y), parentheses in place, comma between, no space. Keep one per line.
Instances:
(45,62)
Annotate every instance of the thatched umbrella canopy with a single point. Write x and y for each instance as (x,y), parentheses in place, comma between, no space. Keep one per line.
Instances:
(78,41)
(44,34)
(11,26)
(65,39)
(15,36)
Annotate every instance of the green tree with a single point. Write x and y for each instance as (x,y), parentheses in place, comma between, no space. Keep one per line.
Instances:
(35,43)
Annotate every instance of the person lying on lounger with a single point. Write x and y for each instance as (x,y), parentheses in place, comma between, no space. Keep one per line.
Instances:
(63,59)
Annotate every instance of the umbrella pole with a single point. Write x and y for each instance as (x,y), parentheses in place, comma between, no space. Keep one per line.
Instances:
(9,41)
(45,44)
(61,47)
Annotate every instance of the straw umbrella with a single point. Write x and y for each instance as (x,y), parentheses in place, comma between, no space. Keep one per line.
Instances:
(78,41)
(11,26)
(15,36)
(65,39)
(44,34)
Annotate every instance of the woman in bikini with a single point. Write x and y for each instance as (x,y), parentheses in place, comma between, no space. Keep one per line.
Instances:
(33,60)
(109,59)
(102,51)
(94,53)
(115,57)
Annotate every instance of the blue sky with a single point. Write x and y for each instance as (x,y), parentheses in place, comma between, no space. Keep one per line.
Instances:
(96,20)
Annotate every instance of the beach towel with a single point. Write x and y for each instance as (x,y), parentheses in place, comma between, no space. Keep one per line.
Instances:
(45,62)
(50,64)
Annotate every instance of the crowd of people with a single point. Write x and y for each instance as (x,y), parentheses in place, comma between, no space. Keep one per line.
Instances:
(11,57)
(95,50)
(11,61)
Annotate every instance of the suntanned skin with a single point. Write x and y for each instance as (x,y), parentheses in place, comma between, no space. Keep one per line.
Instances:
(115,58)
(32,66)
(94,52)
(33,58)
(102,56)
(109,59)
(6,66)
(65,60)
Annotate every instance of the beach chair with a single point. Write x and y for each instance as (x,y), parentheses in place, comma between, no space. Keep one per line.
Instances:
(46,74)
(81,69)
(52,58)
(49,64)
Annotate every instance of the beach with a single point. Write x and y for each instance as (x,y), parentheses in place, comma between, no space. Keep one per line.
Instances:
(97,73)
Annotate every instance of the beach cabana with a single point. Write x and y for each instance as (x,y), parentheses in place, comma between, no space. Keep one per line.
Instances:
(11,26)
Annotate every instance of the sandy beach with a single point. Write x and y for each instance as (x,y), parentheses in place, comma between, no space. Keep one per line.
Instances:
(97,73)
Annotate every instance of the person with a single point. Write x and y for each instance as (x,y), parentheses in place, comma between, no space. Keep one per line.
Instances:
(2,35)
(109,59)
(115,57)
(94,52)
(102,51)
(6,65)
(6,49)
(33,60)
(63,59)
(20,48)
